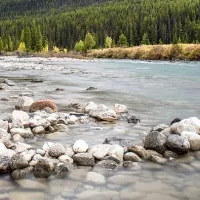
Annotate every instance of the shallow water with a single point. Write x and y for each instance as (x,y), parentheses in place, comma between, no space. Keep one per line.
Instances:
(156,92)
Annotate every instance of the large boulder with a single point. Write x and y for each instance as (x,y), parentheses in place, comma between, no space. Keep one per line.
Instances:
(155,141)
(193,138)
(24,103)
(80,146)
(178,144)
(84,159)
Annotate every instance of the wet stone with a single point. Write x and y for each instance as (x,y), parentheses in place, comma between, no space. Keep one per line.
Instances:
(130,156)
(107,164)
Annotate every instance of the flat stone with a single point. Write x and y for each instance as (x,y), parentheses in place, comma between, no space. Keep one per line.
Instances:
(160,127)
(158,159)
(121,179)
(18,195)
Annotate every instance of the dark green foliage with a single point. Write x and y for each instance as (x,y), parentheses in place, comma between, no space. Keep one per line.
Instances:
(64,22)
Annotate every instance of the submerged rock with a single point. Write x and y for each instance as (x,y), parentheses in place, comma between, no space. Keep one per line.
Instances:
(95,178)
(133,119)
(107,164)
(44,168)
(62,169)
(159,128)
(155,141)
(21,173)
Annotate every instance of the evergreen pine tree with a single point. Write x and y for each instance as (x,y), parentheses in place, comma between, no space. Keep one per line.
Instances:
(39,40)
(145,39)
(34,36)
(1,45)
(79,46)
(122,42)
(10,44)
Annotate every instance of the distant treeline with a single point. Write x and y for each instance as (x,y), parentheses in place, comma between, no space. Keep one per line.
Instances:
(62,26)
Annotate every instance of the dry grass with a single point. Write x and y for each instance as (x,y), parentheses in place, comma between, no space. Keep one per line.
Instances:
(151,52)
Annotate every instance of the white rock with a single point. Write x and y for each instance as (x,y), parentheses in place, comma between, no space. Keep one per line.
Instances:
(65,158)
(194,140)
(185,127)
(95,178)
(119,108)
(47,145)
(56,150)
(41,152)
(90,106)
(193,121)
(53,119)
(99,151)
(20,115)
(80,146)
(116,151)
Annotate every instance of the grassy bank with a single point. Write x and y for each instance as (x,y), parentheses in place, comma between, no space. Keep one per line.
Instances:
(151,52)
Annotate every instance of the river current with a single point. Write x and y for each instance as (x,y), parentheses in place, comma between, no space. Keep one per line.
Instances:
(156,92)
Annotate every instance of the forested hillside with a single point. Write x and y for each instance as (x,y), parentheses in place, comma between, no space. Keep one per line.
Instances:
(62,23)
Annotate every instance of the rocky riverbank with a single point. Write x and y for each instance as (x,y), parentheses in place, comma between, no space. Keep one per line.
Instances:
(163,144)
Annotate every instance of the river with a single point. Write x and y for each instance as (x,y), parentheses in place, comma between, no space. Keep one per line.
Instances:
(155,91)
